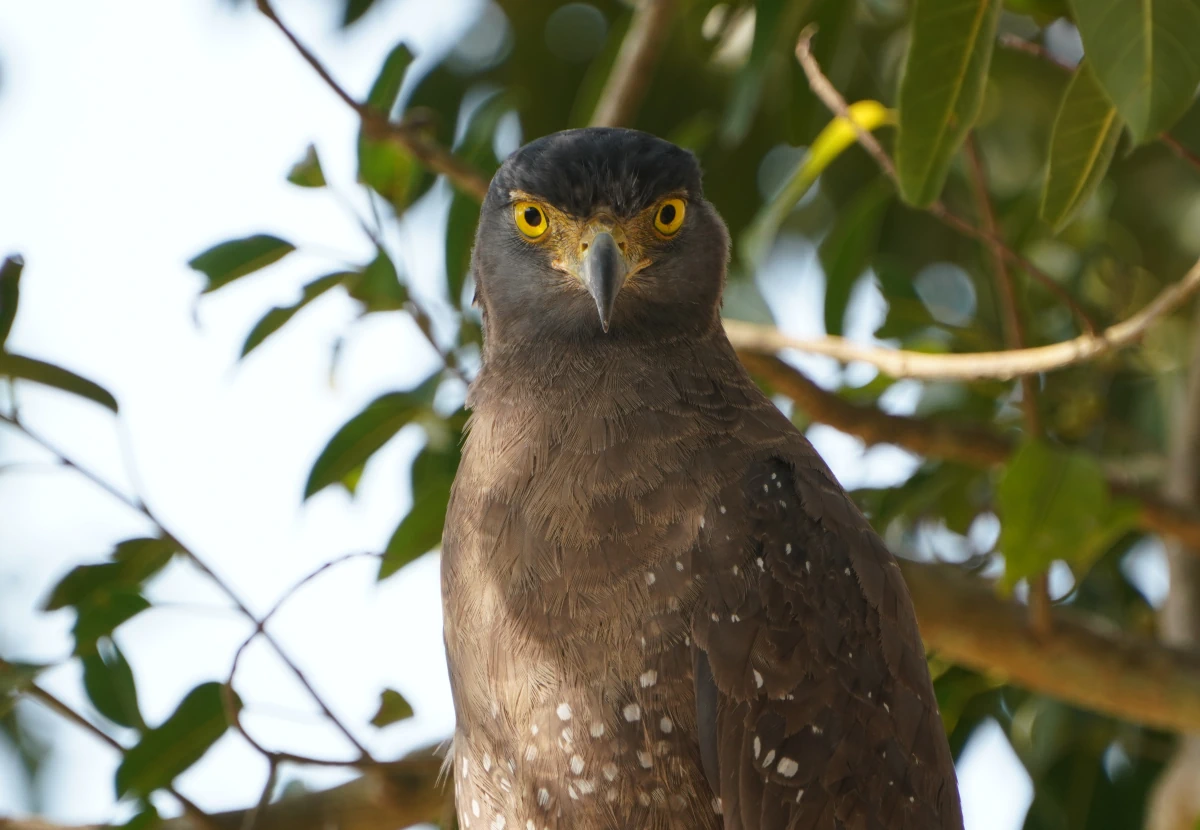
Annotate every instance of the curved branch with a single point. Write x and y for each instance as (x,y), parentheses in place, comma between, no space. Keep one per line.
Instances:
(998,365)
(426,151)
(976,446)
(831,98)
(1078,660)
(634,65)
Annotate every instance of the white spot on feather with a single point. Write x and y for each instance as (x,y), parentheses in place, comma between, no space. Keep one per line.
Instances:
(564,711)
(758,682)
(757,747)
(596,729)
(787,767)
(645,759)
(666,725)
(648,678)
(632,712)
(650,577)
(610,771)
(576,764)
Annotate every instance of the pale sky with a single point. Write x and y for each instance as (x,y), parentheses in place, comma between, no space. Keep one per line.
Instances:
(134,134)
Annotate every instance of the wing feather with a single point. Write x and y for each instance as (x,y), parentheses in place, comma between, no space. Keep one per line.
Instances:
(815,707)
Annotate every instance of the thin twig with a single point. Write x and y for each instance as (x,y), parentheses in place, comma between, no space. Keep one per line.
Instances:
(377,125)
(1040,618)
(832,99)
(1037,50)
(977,365)
(231,709)
(634,66)
(138,505)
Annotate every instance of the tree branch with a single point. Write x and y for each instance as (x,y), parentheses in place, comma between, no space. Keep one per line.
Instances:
(394,795)
(1014,339)
(979,365)
(1080,660)
(935,438)
(137,504)
(409,136)
(634,65)
(832,99)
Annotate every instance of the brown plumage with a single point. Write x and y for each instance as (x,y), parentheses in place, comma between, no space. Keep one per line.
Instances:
(661,610)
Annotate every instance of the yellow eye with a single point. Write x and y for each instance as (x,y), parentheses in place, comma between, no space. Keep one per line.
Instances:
(531,219)
(669,217)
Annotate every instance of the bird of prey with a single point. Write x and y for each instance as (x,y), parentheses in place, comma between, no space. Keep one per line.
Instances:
(661,610)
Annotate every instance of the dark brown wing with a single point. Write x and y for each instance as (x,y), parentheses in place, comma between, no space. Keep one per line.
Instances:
(816,711)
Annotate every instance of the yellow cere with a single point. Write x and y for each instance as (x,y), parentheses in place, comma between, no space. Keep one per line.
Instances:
(669,216)
(531,219)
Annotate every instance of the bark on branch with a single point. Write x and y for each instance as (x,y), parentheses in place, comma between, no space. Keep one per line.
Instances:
(934,438)
(979,365)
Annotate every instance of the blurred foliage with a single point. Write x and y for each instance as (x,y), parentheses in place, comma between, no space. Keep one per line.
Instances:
(1079,185)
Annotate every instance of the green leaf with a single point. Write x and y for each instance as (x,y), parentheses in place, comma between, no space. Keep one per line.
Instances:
(420,531)
(1054,503)
(386,89)
(224,263)
(847,250)
(941,91)
(10,278)
(776,25)
(27,368)
(460,238)
(307,172)
(391,171)
(354,10)
(393,708)
(378,285)
(278,317)
(1086,131)
(167,751)
(103,614)
(109,683)
(1144,55)
(365,433)
(133,562)
(139,559)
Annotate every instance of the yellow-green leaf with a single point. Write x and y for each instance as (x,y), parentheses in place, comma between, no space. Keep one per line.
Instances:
(307,172)
(1145,57)
(1054,503)
(942,89)
(1086,131)
(278,316)
(393,708)
(830,143)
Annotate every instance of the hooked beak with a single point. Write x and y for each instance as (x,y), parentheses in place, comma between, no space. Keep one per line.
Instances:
(604,271)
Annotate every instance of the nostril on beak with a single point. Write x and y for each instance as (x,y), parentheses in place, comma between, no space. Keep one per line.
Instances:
(583,247)
(621,245)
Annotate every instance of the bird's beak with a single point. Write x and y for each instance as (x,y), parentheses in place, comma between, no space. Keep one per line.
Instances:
(604,271)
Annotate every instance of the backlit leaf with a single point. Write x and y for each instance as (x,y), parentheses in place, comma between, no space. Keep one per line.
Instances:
(1144,55)
(1086,132)
(224,263)
(941,91)
(47,374)
(1054,503)
(170,749)
(10,277)
(109,683)
(366,432)
(393,708)
(278,317)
